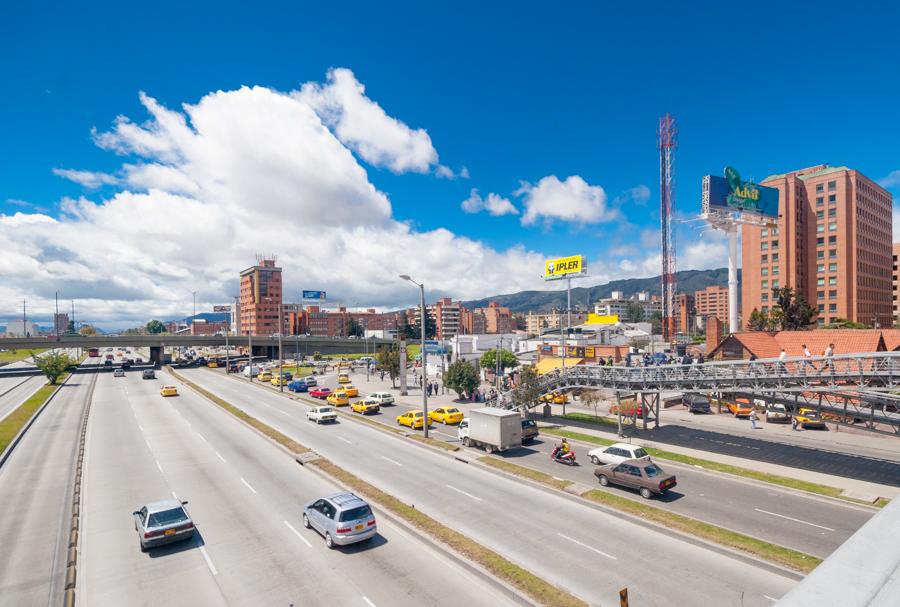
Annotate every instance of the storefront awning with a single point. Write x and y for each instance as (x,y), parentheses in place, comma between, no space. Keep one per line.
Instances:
(549,363)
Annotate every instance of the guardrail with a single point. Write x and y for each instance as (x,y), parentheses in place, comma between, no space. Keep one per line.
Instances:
(876,371)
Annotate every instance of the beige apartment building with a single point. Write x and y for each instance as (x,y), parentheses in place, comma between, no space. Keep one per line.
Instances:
(832,242)
(712,301)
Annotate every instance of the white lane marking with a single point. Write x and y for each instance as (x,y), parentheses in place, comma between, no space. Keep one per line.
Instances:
(158,466)
(566,537)
(174,496)
(770,598)
(141,427)
(463,492)
(368,602)
(246,484)
(796,520)
(344,439)
(148,444)
(297,533)
(220,457)
(209,562)
(396,463)
(202,438)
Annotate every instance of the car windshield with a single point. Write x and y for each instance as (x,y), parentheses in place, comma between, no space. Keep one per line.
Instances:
(811,414)
(324,409)
(417,414)
(653,470)
(528,423)
(452,410)
(167,517)
(355,513)
(639,452)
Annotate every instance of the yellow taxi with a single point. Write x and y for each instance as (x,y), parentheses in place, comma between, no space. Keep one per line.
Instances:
(809,418)
(338,398)
(415,419)
(446,415)
(350,389)
(365,406)
(168,391)
(278,380)
(557,398)
(264,376)
(343,378)
(212,364)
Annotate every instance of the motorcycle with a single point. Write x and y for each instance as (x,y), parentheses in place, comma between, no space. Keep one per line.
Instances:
(568,458)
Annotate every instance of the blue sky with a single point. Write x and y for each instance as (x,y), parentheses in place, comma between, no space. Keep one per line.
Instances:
(514,93)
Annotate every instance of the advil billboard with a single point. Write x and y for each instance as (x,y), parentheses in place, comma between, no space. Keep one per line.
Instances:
(564,267)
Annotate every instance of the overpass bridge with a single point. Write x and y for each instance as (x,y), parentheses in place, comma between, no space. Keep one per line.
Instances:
(261,345)
(864,372)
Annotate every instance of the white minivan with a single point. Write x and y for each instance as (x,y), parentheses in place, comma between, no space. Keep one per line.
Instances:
(382,398)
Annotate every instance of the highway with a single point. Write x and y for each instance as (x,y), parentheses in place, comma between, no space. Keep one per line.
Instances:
(16,390)
(575,546)
(36,485)
(801,521)
(246,496)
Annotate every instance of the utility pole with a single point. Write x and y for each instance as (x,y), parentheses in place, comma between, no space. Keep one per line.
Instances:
(280,356)
(194,317)
(56,317)
(424,358)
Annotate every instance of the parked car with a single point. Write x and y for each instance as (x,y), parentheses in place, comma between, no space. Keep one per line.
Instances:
(383,398)
(739,407)
(342,518)
(365,406)
(413,418)
(298,385)
(557,398)
(696,403)
(212,364)
(617,453)
(645,476)
(320,393)
(162,522)
(445,415)
(777,413)
(338,398)
(321,414)
(119,373)
(264,376)
(168,391)
(809,418)
(278,381)
(529,430)
(148,374)
(310,381)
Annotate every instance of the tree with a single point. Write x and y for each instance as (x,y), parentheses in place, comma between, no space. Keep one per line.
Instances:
(656,322)
(757,321)
(155,327)
(525,395)
(354,328)
(843,323)
(53,365)
(70,330)
(87,330)
(593,399)
(796,312)
(317,355)
(508,360)
(634,312)
(389,361)
(462,378)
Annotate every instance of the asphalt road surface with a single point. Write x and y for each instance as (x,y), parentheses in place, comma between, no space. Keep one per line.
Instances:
(245,496)
(796,520)
(16,390)
(572,545)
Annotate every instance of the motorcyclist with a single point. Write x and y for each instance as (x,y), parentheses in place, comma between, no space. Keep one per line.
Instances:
(563,449)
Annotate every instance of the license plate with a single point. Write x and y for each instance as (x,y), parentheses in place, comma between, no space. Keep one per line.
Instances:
(169,532)
(359,527)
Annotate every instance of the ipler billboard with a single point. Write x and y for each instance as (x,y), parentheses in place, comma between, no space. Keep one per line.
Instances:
(565,267)
(313,295)
(730,193)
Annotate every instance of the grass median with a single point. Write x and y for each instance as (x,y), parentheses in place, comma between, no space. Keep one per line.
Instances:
(768,551)
(11,356)
(16,420)
(523,580)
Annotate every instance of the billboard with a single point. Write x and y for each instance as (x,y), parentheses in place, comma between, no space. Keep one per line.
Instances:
(602,319)
(313,294)
(730,193)
(564,267)
(221,308)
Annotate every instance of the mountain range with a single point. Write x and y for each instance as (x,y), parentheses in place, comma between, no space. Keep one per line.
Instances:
(687,281)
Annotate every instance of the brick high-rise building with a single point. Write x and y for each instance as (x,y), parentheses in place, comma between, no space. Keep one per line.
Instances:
(261,294)
(895,283)
(712,301)
(685,315)
(832,242)
(497,319)
(60,323)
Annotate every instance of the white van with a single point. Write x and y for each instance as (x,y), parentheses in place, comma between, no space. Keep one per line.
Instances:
(252,369)
(382,398)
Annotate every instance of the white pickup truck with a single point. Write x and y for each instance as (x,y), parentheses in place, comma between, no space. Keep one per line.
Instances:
(321,414)
(777,413)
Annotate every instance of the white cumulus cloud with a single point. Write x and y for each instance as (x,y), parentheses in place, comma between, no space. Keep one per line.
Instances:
(494,204)
(88,179)
(891,180)
(363,126)
(572,200)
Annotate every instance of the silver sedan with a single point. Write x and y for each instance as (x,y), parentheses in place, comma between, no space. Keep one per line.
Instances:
(162,522)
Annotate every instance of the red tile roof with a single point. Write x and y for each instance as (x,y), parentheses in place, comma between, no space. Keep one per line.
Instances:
(891,339)
(846,341)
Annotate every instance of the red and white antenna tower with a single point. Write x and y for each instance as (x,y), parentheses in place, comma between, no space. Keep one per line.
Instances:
(667,141)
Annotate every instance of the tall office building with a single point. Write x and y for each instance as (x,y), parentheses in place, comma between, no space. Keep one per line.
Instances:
(60,323)
(712,301)
(261,294)
(832,242)
(895,284)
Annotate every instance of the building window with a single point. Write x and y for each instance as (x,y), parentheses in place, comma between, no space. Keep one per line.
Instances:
(820,254)
(776,270)
(820,214)
(832,186)
(832,267)
(774,244)
(820,241)
(763,271)
(820,294)
(832,212)
(764,297)
(764,232)
(832,227)
(832,199)
(821,309)
(819,269)
(774,257)
(820,228)
(832,294)
(832,280)
(764,245)
(820,322)
(765,259)
(820,187)
(774,231)
(765,309)
(765,285)
(819,201)
(832,252)
(831,308)
(775,284)
(820,281)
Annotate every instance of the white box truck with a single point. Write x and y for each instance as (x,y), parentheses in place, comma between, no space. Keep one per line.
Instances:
(491,429)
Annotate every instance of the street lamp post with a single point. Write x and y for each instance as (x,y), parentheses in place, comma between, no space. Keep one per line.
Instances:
(280,356)
(424,366)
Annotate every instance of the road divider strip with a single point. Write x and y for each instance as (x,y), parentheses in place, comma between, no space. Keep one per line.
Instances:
(765,477)
(785,557)
(504,570)
(14,425)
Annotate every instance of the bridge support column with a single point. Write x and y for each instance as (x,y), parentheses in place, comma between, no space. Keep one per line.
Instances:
(156,355)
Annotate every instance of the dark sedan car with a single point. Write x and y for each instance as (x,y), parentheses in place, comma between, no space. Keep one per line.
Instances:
(644,475)
(696,403)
